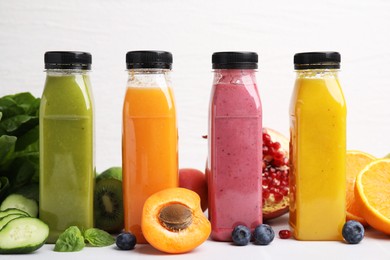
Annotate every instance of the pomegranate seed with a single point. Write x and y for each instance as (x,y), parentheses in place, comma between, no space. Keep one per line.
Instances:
(284,234)
(278,163)
(265,182)
(276,145)
(278,197)
(275,182)
(272,151)
(278,155)
(273,174)
(266,138)
(284,191)
(266,194)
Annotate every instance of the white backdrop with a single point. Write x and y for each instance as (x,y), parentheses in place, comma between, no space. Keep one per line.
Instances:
(192,30)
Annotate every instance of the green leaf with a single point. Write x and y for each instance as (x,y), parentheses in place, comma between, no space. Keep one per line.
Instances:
(19,141)
(70,240)
(7,145)
(9,107)
(99,238)
(13,123)
(25,100)
(22,171)
(19,124)
(28,143)
(4,185)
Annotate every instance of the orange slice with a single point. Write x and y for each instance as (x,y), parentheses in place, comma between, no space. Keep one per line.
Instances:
(372,193)
(356,161)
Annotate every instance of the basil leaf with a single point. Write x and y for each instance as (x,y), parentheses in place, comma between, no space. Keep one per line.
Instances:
(70,240)
(98,237)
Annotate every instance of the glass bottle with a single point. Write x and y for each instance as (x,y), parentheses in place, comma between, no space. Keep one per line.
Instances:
(149,134)
(66,131)
(317,148)
(235,145)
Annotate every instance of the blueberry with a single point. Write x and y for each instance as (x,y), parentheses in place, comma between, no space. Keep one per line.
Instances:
(353,232)
(241,235)
(263,234)
(126,241)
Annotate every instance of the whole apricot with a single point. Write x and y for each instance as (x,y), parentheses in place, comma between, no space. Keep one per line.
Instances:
(173,222)
(195,180)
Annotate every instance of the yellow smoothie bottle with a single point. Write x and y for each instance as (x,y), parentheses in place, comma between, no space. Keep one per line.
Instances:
(317,148)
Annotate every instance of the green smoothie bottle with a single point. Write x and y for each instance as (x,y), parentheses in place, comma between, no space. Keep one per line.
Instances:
(66,132)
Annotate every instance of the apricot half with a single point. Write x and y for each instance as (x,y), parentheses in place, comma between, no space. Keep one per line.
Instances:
(173,221)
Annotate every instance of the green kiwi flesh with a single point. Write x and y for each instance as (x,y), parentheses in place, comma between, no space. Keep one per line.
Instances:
(108,205)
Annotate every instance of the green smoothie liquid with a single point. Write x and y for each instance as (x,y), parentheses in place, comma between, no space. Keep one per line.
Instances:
(66,153)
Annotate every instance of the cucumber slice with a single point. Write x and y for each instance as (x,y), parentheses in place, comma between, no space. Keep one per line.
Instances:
(8,218)
(13,211)
(23,235)
(20,202)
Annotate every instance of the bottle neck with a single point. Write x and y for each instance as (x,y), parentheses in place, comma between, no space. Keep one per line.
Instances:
(66,72)
(317,73)
(234,76)
(149,77)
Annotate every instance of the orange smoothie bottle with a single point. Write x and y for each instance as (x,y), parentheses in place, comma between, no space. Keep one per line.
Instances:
(317,148)
(149,134)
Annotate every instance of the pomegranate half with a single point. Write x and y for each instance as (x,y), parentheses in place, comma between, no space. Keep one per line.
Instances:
(275,174)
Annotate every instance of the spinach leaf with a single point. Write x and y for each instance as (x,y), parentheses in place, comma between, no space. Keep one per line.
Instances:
(4,184)
(19,142)
(7,144)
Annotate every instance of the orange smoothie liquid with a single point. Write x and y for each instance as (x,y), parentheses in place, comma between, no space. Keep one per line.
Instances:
(317,156)
(149,150)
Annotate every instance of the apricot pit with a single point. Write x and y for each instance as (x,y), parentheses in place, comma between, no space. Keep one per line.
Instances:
(175,217)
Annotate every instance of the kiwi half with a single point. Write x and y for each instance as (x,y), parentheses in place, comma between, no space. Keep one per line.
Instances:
(108,204)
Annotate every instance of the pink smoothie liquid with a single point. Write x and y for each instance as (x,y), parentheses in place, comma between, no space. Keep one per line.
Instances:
(235,153)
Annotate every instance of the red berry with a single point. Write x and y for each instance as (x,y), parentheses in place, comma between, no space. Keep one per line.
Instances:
(284,234)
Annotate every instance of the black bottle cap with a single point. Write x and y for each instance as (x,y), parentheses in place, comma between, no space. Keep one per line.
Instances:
(149,60)
(235,60)
(68,60)
(317,60)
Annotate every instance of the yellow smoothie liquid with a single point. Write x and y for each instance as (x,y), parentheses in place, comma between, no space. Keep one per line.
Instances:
(317,156)
(149,147)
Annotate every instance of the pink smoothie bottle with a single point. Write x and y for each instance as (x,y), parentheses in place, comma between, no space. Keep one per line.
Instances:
(235,145)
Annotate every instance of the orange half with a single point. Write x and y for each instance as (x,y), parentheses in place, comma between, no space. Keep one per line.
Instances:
(356,161)
(372,193)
